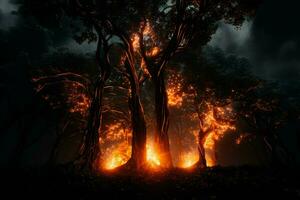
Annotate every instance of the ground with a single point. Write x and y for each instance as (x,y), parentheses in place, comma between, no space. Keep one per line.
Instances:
(211,183)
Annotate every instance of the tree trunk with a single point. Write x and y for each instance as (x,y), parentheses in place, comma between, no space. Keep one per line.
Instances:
(202,134)
(201,149)
(60,129)
(90,149)
(279,154)
(138,154)
(162,120)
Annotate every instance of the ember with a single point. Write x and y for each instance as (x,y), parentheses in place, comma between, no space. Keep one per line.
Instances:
(174,90)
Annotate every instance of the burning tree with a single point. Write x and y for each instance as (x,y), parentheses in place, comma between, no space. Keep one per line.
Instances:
(227,96)
(173,28)
(149,34)
(208,115)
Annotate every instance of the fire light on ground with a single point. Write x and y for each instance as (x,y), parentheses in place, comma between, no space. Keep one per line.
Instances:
(153,158)
(117,146)
(119,151)
(119,155)
(117,141)
(188,159)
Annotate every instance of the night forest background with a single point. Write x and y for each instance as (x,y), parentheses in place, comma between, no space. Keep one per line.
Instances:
(81,96)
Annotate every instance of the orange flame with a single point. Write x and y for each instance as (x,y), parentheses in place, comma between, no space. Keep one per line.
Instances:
(153,158)
(119,150)
(119,155)
(153,52)
(241,138)
(219,129)
(135,39)
(81,103)
(188,159)
(118,147)
(147,35)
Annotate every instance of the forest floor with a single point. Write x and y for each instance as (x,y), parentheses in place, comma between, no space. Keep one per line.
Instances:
(211,183)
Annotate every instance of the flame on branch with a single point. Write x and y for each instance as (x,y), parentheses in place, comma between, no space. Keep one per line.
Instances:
(175,90)
(74,88)
(216,122)
(145,38)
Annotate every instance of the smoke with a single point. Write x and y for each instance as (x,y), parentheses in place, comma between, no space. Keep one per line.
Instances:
(231,39)
(7,18)
(271,41)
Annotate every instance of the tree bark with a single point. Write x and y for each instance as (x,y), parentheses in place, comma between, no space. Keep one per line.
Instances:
(279,154)
(162,120)
(138,156)
(90,149)
(202,134)
(201,149)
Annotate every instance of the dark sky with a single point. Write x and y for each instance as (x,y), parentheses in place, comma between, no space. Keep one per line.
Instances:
(271,42)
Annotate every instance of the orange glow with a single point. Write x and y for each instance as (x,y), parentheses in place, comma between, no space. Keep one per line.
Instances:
(149,39)
(153,158)
(119,150)
(135,39)
(153,52)
(119,155)
(81,103)
(174,90)
(188,159)
(241,138)
(77,100)
(147,29)
(147,36)
(118,147)
(218,130)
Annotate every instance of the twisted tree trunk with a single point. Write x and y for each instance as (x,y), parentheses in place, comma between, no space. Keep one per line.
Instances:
(90,149)
(202,134)
(162,120)
(201,149)
(138,156)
